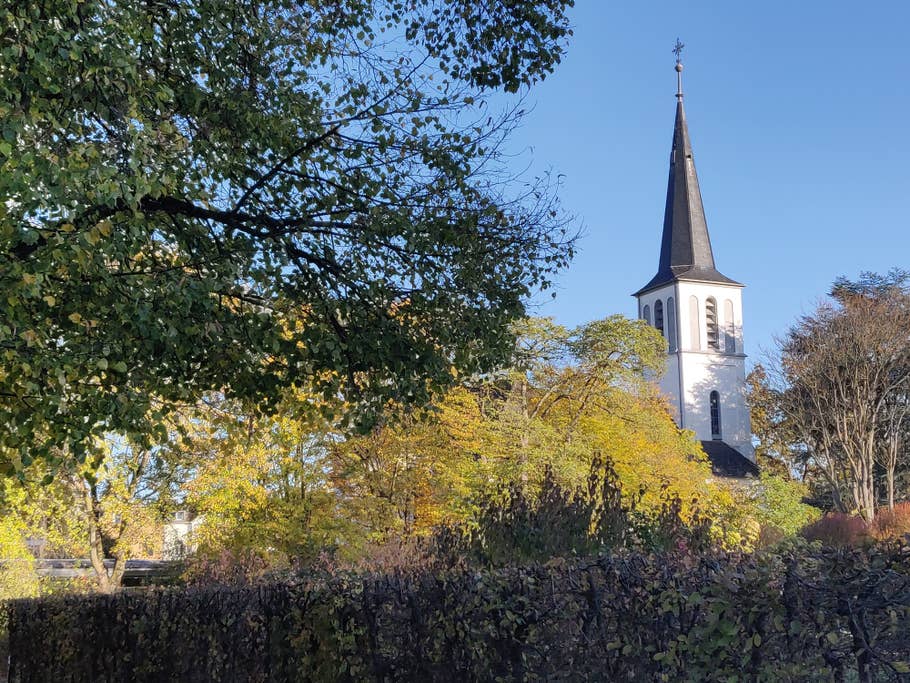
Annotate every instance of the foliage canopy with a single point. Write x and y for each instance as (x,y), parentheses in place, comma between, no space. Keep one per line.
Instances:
(216,194)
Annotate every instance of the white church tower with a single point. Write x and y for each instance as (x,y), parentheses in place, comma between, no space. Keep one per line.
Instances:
(699,312)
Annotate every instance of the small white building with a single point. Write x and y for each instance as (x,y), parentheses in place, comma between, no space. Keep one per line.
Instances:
(179,536)
(699,312)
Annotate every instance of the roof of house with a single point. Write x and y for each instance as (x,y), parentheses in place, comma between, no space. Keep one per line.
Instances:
(726,461)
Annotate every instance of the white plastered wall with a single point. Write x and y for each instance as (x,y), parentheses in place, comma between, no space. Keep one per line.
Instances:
(694,370)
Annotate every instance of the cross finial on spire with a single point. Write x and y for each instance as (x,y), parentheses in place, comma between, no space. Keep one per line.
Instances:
(677,50)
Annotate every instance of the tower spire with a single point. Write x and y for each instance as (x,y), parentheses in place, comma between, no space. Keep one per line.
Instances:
(685,249)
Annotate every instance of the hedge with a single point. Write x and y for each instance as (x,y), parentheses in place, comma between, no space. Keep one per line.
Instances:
(801,614)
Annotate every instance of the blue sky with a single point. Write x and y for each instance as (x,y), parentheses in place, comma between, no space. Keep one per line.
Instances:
(799,114)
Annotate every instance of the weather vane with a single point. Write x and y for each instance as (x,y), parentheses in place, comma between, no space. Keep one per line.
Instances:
(677,49)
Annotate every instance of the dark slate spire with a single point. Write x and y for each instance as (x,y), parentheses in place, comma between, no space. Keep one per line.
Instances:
(685,249)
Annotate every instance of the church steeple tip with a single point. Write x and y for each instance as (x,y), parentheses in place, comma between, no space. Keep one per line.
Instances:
(678,48)
(685,250)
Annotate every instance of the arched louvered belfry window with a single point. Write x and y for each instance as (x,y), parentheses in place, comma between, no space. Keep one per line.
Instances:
(671,323)
(659,315)
(729,328)
(711,323)
(715,415)
(694,324)
(646,314)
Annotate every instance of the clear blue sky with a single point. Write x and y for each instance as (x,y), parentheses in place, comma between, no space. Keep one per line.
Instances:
(799,114)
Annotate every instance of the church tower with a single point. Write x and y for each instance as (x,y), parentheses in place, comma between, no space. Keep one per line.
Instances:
(699,312)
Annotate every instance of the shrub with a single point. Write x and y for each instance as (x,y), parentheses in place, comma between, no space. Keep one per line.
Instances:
(779,502)
(837,530)
(892,524)
(18,576)
(514,526)
(227,568)
(789,615)
(769,536)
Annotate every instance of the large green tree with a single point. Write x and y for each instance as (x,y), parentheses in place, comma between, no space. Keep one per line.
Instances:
(245,195)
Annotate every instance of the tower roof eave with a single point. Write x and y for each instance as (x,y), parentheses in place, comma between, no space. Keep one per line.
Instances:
(682,274)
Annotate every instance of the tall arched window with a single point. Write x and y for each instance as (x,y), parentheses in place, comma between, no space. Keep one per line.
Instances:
(729,328)
(659,315)
(711,323)
(671,324)
(646,314)
(694,324)
(715,415)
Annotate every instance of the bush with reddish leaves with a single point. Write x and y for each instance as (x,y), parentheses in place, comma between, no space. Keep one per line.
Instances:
(892,524)
(838,530)
(228,568)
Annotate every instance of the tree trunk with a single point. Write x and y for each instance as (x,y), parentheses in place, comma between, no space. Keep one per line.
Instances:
(108,582)
(836,499)
(892,451)
(868,493)
(95,541)
(116,575)
(527,419)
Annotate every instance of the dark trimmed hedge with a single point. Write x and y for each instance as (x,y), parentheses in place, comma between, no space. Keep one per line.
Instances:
(802,614)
